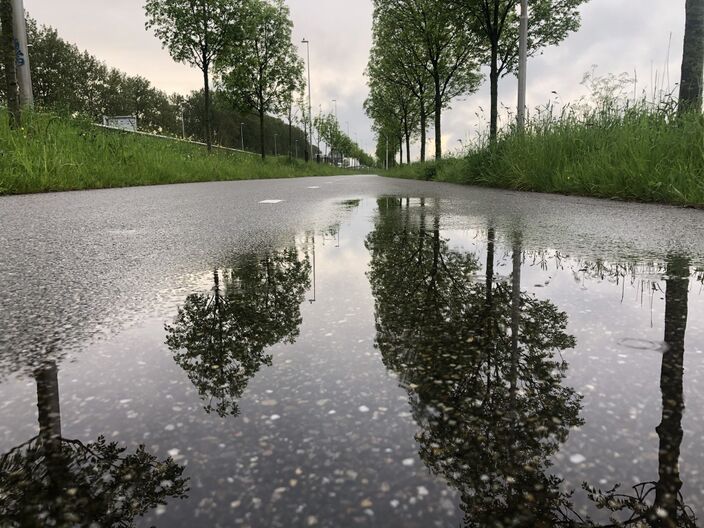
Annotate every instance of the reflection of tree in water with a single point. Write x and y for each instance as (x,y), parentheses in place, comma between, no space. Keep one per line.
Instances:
(479,363)
(54,481)
(661,504)
(491,406)
(220,339)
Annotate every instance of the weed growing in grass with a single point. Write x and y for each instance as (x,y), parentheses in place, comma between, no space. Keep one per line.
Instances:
(52,153)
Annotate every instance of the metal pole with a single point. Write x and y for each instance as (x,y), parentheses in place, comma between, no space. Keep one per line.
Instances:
(24,74)
(296,149)
(310,105)
(242,134)
(523,66)
(183,122)
(276,151)
(387,152)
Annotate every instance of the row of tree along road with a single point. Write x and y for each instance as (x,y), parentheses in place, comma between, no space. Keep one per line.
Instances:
(426,53)
(248,45)
(244,45)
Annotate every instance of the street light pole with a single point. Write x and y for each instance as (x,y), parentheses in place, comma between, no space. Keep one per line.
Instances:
(296,149)
(24,75)
(387,152)
(310,105)
(276,150)
(523,67)
(183,122)
(242,134)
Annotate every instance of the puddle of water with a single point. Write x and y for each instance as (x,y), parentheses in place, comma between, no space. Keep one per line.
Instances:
(393,369)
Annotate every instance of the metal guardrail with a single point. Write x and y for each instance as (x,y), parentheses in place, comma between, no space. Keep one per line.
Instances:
(179,140)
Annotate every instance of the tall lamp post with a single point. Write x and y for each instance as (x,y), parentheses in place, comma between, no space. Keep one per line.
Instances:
(334,102)
(24,75)
(309,132)
(523,66)
(242,134)
(276,150)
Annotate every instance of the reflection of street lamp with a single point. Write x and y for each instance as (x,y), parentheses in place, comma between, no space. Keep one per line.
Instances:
(314,284)
(242,134)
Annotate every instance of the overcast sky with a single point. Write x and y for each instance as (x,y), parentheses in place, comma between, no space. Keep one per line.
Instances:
(616,36)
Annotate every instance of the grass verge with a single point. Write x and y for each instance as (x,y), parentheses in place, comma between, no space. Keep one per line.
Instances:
(631,154)
(52,153)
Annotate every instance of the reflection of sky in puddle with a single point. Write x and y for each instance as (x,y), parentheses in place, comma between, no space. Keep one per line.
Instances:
(326,434)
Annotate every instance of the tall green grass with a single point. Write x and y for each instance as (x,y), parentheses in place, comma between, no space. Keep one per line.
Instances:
(637,152)
(52,153)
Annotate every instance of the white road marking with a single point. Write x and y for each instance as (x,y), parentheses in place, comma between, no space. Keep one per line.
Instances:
(271,201)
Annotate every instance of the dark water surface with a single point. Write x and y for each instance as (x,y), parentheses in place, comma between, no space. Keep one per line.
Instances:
(367,352)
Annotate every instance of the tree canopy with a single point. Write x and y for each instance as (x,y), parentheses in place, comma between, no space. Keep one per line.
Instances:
(262,71)
(195,32)
(221,339)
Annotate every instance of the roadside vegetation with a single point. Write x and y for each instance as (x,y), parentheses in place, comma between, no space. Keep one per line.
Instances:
(635,153)
(52,153)
(648,148)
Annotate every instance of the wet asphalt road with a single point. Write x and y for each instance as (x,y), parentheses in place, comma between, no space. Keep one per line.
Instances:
(79,264)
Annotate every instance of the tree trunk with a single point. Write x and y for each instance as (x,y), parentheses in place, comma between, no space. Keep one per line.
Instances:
(693,58)
(494,82)
(208,109)
(7,45)
(669,431)
(438,119)
(407,134)
(491,241)
(423,126)
(261,134)
(400,149)
(49,414)
(290,133)
(515,314)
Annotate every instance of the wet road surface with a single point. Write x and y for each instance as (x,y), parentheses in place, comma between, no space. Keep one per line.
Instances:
(357,351)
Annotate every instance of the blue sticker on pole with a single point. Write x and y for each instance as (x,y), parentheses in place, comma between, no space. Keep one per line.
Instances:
(19,56)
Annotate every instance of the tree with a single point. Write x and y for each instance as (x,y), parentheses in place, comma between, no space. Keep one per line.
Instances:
(262,72)
(693,58)
(55,481)
(195,32)
(447,51)
(220,339)
(491,407)
(7,49)
(391,102)
(496,24)
(392,64)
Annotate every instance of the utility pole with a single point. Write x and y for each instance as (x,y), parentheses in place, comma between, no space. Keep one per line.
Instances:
(523,67)
(7,52)
(310,106)
(24,74)
(387,152)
